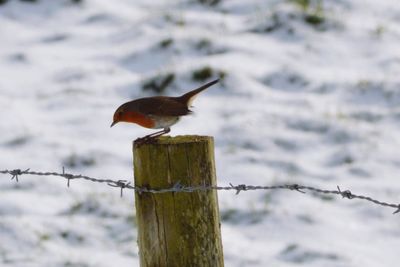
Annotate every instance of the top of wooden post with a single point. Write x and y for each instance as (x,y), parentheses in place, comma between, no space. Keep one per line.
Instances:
(182,139)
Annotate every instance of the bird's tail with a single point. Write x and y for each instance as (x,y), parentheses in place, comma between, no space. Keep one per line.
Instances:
(189,97)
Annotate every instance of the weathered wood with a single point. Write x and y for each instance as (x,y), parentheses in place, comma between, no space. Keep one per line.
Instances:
(177,229)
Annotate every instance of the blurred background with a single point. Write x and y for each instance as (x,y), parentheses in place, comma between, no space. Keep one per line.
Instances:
(310,94)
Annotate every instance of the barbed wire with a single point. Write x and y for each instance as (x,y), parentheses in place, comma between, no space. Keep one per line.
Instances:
(124,184)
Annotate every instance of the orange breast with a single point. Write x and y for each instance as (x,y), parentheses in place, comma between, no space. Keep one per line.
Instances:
(139,118)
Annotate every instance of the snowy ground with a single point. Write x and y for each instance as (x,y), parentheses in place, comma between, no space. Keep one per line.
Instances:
(310,95)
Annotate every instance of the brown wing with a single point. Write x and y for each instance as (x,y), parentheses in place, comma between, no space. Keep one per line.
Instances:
(159,106)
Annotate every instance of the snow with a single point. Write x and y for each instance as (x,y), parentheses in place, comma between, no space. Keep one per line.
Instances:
(299,103)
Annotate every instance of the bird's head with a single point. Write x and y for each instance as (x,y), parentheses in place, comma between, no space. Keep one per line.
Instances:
(119,115)
(129,112)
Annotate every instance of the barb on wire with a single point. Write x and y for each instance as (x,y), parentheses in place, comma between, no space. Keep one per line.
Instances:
(345,194)
(398,209)
(295,187)
(238,188)
(67,176)
(17,172)
(178,187)
(120,183)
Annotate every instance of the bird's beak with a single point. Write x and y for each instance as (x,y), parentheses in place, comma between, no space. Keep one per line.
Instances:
(112,124)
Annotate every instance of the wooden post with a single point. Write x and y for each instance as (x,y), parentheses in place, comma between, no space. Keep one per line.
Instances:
(177,229)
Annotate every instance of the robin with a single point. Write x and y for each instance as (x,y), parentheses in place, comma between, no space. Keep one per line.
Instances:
(158,112)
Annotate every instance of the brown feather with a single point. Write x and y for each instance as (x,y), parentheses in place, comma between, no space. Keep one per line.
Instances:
(158,106)
(188,97)
(164,105)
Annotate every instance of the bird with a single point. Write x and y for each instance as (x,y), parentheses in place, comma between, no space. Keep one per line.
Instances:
(157,112)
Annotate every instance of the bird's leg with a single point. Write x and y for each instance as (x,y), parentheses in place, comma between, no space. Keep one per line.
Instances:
(157,134)
(151,137)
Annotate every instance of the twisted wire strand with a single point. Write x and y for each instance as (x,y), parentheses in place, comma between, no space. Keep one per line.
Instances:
(122,184)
